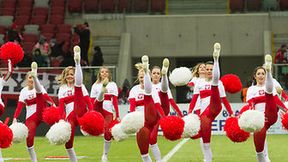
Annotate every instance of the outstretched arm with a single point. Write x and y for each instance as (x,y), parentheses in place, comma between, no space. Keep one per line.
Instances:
(175,107)
(9,72)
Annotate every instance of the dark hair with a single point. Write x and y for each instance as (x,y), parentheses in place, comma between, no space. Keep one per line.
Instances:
(254,82)
(283,45)
(86,23)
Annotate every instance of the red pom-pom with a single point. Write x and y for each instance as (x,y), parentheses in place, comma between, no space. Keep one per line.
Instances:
(51,115)
(233,131)
(12,51)
(285,121)
(6,136)
(172,127)
(92,122)
(232,83)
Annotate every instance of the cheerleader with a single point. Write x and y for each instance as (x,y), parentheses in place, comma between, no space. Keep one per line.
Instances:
(143,97)
(73,98)
(104,94)
(35,97)
(211,92)
(3,81)
(166,99)
(263,97)
(198,75)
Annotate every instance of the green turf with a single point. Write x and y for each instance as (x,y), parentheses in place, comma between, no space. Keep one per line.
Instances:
(127,151)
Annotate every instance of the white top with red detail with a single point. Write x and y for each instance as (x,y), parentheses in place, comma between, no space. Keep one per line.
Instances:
(2,83)
(203,88)
(157,87)
(193,82)
(258,94)
(65,91)
(112,90)
(138,93)
(29,98)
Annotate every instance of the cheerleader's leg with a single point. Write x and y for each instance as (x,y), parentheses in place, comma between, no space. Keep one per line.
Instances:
(69,145)
(108,117)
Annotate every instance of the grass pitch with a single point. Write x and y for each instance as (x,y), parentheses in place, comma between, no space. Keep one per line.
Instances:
(127,151)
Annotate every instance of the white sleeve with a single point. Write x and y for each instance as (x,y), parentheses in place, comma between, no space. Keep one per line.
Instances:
(221,90)
(132,93)
(114,89)
(60,93)
(84,90)
(169,94)
(94,93)
(21,96)
(276,84)
(196,89)
(249,94)
(155,96)
(43,90)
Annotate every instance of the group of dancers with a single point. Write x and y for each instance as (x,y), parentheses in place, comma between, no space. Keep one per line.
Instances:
(152,96)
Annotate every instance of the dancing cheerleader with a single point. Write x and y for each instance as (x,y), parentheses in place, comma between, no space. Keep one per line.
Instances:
(143,97)
(73,98)
(104,94)
(263,97)
(166,99)
(211,92)
(198,75)
(35,97)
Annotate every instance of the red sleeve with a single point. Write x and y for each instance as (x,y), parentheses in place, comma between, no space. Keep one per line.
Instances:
(251,103)
(48,99)
(190,84)
(280,104)
(132,102)
(159,109)
(284,95)
(18,109)
(193,102)
(227,105)
(62,108)
(175,107)
(88,101)
(115,104)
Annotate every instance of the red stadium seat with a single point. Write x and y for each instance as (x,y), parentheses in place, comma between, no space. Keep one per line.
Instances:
(38,19)
(64,28)
(2,30)
(140,5)
(23,11)
(56,19)
(28,47)
(7,11)
(8,3)
(41,11)
(236,5)
(48,36)
(30,38)
(75,6)
(124,6)
(47,28)
(91,6)
(158,6)
(59,3)
(57,11)
(107,6)
(21,20)
(63,37)
(253,5)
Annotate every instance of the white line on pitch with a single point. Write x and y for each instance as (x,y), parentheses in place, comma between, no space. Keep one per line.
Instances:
(174,150)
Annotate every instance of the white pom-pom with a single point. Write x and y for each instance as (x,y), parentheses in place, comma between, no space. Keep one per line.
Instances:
(20,132)
(192,125)
(180,76)
(118,133)
(132,122)
(252,120)
(59,133)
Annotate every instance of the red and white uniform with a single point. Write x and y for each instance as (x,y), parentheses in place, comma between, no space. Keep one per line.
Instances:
(192,83)
(136,98)
(66,94)
(256,97)
(2,83)
(112,90)
(28,97)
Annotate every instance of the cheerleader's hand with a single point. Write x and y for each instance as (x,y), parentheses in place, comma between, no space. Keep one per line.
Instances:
(117,118)
(14,120)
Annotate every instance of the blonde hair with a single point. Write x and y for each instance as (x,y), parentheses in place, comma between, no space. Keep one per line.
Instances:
(140,68)
(61,78)
(195,69)
(99,72)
